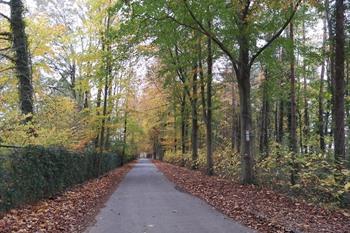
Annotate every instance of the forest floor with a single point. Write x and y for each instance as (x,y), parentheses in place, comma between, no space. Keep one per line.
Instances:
(71,211)
(256,207)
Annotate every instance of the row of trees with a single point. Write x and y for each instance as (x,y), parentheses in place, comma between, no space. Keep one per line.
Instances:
(260,73)
(270,77)
(75,85)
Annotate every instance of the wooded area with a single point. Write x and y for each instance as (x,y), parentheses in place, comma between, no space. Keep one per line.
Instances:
(251,90)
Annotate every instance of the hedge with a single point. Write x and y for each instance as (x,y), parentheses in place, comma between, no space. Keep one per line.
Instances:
(33,173)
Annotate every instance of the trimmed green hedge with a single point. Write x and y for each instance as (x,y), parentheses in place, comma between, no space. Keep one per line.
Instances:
(33,173)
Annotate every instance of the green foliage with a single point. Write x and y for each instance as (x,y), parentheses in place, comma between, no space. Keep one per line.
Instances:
(226,162)
(34,172)
(319,179)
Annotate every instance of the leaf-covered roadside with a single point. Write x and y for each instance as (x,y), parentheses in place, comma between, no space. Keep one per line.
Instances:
(258,208)
(69,212)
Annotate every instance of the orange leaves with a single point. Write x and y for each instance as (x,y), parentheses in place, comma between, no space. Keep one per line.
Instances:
(257,207)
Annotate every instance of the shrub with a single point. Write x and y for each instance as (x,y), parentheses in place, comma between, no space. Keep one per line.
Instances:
(318,177)
(186,159)
(33,173)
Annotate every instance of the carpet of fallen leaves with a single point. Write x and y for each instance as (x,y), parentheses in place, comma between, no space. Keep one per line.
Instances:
(256,207)
(69,212)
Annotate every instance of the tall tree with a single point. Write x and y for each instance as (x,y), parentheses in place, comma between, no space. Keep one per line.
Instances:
(306,104)
(339,81)
(194,110)
(242,64)
(293,118)
(321,124)
(22,57)
(209,113)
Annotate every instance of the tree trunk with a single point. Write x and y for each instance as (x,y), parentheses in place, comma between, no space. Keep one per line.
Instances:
(210,170)
(347,104)
(125,132)
(339,81)
(108,75)
(234,143)
(104,114)
(293,135)
(331,65)
(22,63)
(306,105)
(264,124)
(86,99)
(321,92)
(183,126)
(280,122)
(194,111)
(246,127)
(243,78)
(109,111)
(98,106)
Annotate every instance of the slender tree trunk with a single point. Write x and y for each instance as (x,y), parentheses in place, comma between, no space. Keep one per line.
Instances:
(293,135)
(98,113)
(194,117)
(280,122)
(73,71)
(331,65)
(234,144)
(22,63)
(276,121)
(108,76)
(86,99)
(264,123)
(347,104)
(175,129)
(111,92)
(183,126)
(306,105)
(339,132)
(104,114)
(209,123)
(280,108)
(321,126)
(125,133)
(329,114)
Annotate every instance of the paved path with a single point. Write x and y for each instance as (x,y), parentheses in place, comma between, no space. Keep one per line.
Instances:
(146,202)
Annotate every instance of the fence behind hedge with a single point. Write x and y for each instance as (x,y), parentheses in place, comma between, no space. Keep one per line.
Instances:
(33,173)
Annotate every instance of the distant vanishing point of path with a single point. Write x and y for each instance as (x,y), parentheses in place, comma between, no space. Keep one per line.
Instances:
(146,202)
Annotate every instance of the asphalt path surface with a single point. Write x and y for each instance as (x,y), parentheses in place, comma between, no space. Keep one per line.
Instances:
(146,202)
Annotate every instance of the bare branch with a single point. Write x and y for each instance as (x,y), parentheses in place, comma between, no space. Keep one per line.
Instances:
(4,2)
(209,34)
(7,68)
(278,33)
(180,72)
(5,16)
(7,57)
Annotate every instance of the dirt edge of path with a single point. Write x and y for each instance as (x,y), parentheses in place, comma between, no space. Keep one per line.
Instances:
(258,208)
(72,211)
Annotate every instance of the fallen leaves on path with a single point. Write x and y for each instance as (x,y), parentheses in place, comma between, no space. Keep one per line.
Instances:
(69,212)
(258,208)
